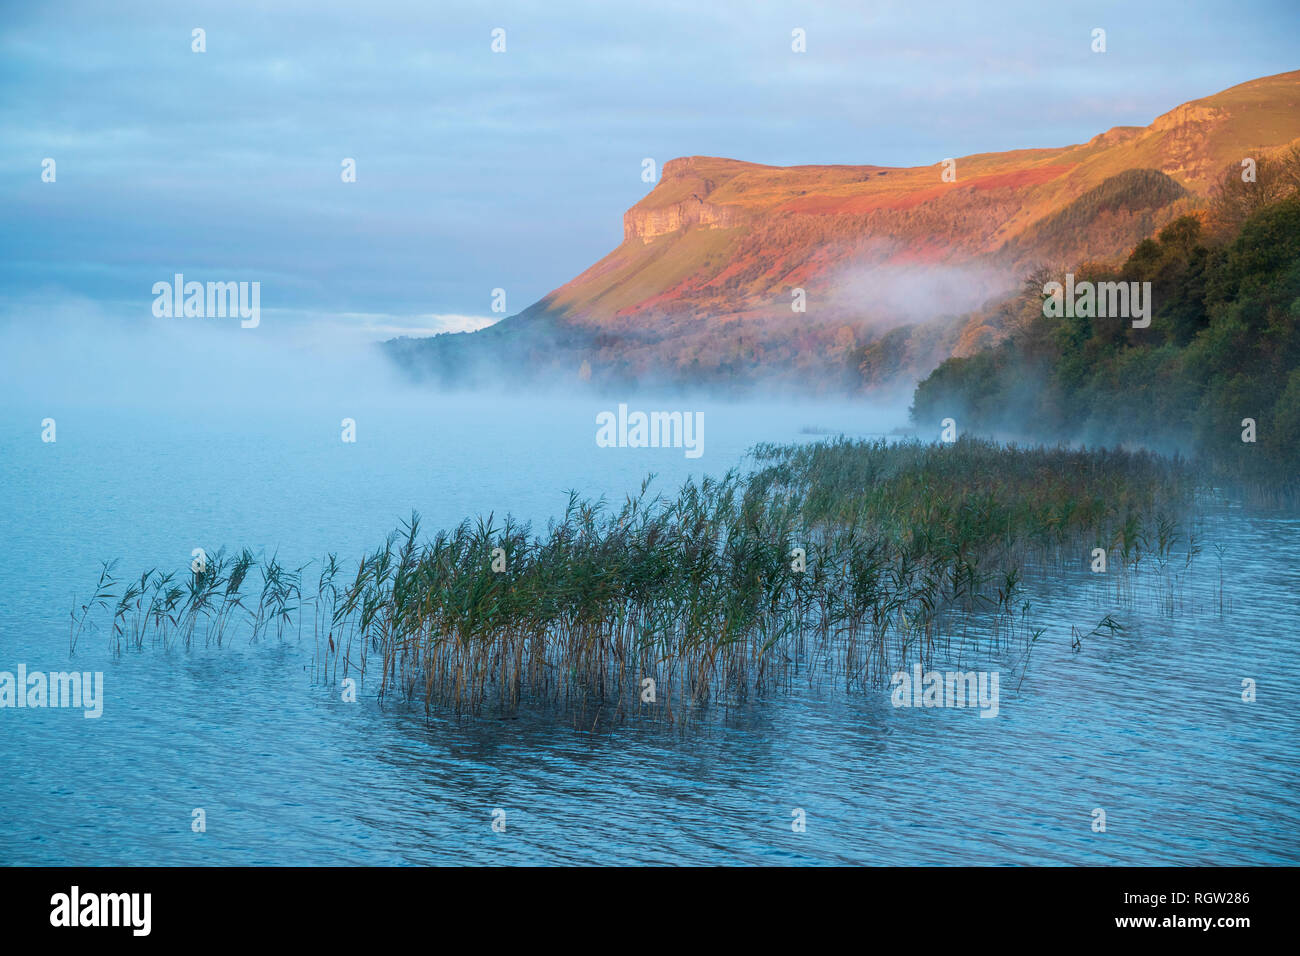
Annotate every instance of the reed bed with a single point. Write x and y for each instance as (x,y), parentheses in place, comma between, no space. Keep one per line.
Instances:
(906,547)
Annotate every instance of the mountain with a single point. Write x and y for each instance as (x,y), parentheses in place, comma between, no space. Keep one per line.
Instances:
(704,287)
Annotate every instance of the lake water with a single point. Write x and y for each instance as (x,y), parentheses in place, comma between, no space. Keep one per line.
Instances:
(1148,725)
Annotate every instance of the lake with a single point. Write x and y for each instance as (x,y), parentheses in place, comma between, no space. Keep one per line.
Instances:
(156,457)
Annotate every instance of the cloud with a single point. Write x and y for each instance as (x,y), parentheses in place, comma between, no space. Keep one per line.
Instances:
(478,170)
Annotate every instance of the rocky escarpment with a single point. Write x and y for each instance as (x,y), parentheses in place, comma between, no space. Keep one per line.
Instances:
(1185,132)
(680,200)
(646,224)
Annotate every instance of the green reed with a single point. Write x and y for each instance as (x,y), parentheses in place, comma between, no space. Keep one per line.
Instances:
(906,547)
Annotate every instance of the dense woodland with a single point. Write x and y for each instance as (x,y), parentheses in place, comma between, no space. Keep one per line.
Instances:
(1223,345)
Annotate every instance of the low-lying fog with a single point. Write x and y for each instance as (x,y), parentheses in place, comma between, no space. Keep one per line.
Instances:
(176,433)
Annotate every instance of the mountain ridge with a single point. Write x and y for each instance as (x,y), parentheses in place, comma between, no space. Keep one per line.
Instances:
(717,249)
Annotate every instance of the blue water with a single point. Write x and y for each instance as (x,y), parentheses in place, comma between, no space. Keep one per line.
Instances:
(1148,725)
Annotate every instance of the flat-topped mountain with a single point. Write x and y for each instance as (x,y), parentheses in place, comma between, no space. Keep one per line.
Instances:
(706,283)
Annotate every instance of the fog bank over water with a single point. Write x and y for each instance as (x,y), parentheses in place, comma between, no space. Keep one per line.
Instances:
(77,353)
(237,436)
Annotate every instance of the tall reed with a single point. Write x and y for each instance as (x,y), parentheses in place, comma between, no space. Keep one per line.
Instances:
(839,561)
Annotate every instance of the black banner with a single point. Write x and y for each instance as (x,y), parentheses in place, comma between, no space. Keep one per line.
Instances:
(1225,906)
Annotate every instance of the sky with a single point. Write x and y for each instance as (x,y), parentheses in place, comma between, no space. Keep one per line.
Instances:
(478,170)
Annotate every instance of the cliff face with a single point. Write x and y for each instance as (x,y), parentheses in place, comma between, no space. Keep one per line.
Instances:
(646,220)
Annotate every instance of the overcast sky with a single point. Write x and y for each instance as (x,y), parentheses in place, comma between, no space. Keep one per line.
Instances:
(478,170)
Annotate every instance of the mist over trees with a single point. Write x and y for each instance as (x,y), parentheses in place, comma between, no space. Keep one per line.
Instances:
(1215,375)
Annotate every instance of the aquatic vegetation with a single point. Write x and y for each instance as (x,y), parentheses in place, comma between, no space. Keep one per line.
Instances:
(834,562)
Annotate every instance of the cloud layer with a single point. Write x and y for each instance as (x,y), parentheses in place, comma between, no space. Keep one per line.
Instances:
(478,171)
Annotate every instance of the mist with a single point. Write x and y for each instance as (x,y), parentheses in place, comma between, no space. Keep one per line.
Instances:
(76,358)
(75,352)
(913,293)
